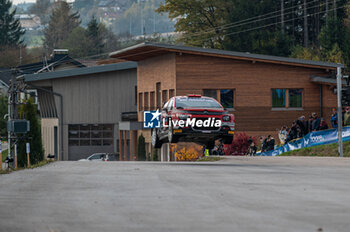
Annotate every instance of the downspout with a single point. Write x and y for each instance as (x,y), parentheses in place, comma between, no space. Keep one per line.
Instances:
(321,102)
(61,114)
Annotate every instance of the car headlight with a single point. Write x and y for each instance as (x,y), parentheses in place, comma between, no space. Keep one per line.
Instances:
(226,118)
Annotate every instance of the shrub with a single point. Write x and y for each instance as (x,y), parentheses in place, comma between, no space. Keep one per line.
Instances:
(155,155)
(239,145)
(189,154)
(141,148)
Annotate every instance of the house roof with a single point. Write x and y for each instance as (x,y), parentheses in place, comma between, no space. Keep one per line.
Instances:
(5,75)
(146,50)
(58,59)
(80,71)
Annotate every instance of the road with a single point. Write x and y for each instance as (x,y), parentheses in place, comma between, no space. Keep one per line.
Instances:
(235,194)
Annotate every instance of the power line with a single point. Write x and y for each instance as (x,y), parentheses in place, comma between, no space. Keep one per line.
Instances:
(255,21)
(225,26)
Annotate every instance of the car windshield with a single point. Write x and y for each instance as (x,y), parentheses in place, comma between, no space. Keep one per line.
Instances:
(97,156)
(187,102)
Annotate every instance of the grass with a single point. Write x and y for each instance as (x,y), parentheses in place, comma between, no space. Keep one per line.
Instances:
(40,164)
(209,159)
(4,155)
(330,150)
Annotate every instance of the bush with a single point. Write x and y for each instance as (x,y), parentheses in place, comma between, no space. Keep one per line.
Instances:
(28,111)
(189,154)
(155,155)
(141,148)
(240,145)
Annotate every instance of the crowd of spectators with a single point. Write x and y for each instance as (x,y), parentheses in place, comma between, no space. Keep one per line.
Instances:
(345,117)
(302,127)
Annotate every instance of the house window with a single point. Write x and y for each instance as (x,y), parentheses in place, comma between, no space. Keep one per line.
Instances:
(210,93)
(171,93)
(287,98)
(295,98)
(226,98)
(135,95)
(164,96)
(140,102)
(278,97)
(145,101)
(152,100)
(158,92)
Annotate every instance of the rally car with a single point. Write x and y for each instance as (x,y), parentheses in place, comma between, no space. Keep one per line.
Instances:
(194,118)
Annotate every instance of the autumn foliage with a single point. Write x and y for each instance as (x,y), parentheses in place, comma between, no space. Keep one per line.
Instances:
(239,146)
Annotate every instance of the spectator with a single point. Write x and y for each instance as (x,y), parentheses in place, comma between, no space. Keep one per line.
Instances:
(311,119)
(270,143)
(264,143)
(282,135)
(293,132)
(334,118)
(315,122)
(302,126)
(347,116)
(323,124)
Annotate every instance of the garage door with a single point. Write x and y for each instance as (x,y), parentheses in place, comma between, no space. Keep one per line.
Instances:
(86,139)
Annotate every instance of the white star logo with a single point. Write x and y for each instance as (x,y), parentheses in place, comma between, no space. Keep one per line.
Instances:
(155,115)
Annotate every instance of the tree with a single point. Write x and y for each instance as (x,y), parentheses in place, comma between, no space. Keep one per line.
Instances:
(94,33)
(28,111)
(10,28)
(141,148)
(42,9)
(3,112)
(78,43)
(62,23)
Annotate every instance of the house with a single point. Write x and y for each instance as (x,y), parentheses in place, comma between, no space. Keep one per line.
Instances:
(5,77)
(29,21)
(60,60)
(82,110)
(264,92)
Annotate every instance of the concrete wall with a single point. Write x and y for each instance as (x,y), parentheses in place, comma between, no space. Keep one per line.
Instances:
(47,134)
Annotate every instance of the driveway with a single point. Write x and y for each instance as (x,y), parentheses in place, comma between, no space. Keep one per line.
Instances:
(236,194)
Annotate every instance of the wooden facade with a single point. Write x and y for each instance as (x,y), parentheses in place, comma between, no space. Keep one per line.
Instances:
(181,71)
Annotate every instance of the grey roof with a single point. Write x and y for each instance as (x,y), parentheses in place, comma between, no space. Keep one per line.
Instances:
(230,53)
(80,71)
(326,80)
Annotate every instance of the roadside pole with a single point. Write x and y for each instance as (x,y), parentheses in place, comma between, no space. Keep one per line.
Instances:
(0,155)
(15,156)
(28,157)
(339,112)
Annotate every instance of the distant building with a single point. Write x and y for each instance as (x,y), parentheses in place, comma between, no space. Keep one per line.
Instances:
(5,76)
(97,103)
(29,21)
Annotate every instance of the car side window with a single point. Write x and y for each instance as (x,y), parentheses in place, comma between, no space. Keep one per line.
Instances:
(170,105)
(165,106)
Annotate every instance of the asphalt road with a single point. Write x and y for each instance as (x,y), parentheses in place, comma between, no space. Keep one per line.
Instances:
(236,194)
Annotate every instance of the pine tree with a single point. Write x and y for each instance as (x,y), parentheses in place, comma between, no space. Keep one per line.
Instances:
(62,22)
(10,28)
(94,32)
(28,112)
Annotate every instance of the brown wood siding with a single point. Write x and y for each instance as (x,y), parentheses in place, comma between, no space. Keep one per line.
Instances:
(252,83)
(157,69)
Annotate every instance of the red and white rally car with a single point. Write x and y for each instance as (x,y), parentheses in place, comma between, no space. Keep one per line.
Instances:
(194,118)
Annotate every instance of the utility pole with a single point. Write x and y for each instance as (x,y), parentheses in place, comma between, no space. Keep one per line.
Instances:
(339,112)
(12,115)
(282,16)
